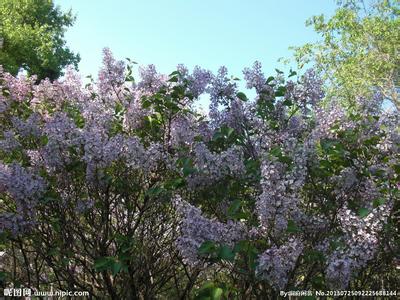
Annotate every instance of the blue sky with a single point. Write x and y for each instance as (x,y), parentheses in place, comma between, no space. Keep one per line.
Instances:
(209,33)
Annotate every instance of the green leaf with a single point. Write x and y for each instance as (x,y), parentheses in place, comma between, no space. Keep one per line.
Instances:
(227,131)
(312,256)
(326,144)
(234,207)
(150,120)
(372,141)
(226,253)
(187,166)
(276,151)
(216,293)
(74,165)
(242,96)
(396,168)
(103,263)
(280,92)
(308,298)
(6,92)
(336,244)
(285,159)
(2,276)
(318,282)
(146,103)
(207,247)
(130,60)
(269,79)
(187,170)
(154,191)
(292,73)
(174,73)
(116,267)
(174,183)
(292,227)
(363,212)
(43,140)
(287,102)
(379,202)
(209,291)
(119,109)
(173,79)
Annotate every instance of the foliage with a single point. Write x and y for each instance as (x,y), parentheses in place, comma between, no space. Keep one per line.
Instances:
(359,50)
(121,188)
(32,38)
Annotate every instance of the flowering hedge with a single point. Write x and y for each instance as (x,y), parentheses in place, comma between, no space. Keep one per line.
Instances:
(124,189)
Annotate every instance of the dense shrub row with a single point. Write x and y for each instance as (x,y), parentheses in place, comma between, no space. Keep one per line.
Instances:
(124,189)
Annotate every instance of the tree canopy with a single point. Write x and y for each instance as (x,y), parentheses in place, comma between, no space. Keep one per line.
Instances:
(359,51)
(32,38)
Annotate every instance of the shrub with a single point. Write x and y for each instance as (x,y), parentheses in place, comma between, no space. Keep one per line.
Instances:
(125,190)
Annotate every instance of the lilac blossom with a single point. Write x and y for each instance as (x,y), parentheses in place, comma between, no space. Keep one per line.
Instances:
(221,90)
(20,87)
(25,189)
(197,229)
(338,272)
(275,264)
(62,135)
(308,93)
(199,81)
(28,127)
(182,131)
(255,77)
(212,166)
(150,79)
(361,236)
(278,201)
(9,142)
(111,76)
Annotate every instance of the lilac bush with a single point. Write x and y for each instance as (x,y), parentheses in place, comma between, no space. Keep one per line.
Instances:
(122,188)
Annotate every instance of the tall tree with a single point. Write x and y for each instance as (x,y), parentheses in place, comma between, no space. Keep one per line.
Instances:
(32,37)
(359,50)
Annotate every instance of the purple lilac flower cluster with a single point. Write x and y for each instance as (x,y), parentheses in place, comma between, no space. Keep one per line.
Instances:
(24,188)
(276,263)
(362,242)
(197,229)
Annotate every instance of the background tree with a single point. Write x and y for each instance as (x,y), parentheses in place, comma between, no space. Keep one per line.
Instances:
(359,52)
(32,38)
